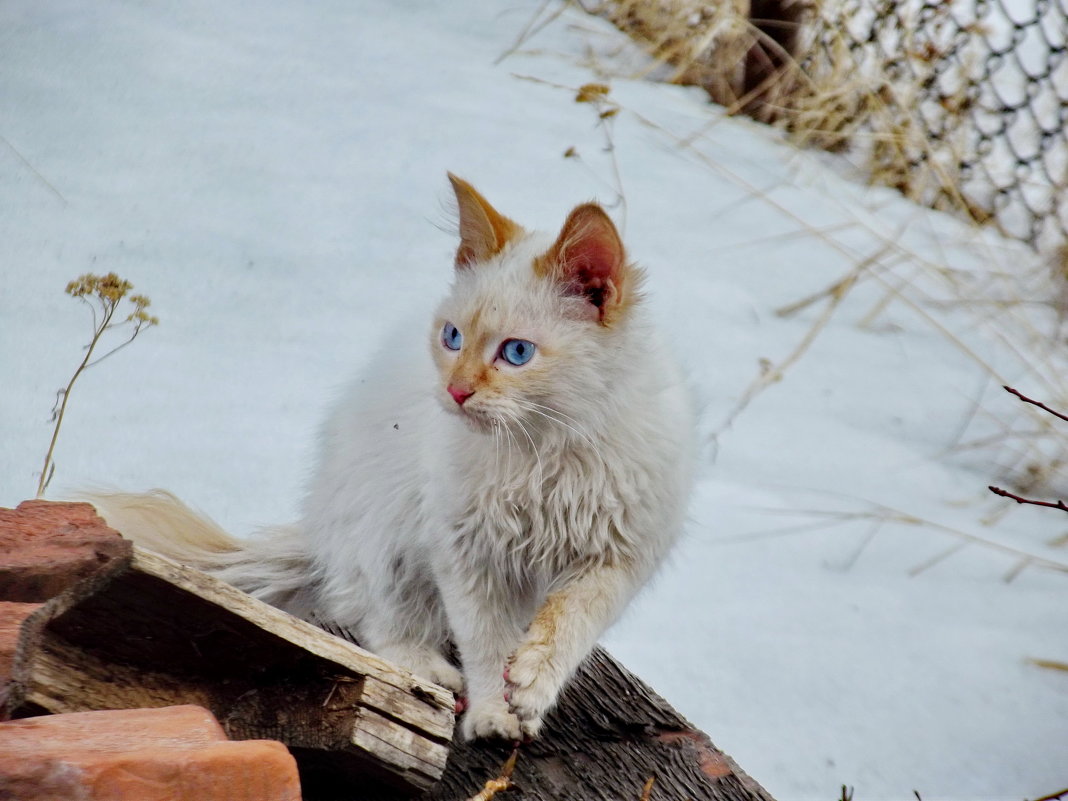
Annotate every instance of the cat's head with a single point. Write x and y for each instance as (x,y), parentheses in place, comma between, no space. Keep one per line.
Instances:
(536,329)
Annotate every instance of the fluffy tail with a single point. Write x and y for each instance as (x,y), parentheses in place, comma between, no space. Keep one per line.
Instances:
(273,566)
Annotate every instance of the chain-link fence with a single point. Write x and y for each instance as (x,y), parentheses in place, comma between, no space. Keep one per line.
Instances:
(960,104)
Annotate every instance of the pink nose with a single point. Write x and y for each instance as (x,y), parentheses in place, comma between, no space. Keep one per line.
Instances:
(460,395)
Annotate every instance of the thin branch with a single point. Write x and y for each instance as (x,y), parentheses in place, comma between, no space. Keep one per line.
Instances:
(1033,402)
(1006,494)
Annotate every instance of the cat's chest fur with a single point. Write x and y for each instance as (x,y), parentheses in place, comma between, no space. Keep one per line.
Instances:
(549,509)
(545,508)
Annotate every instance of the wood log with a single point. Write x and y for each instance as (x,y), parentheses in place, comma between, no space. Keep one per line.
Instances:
(147,632)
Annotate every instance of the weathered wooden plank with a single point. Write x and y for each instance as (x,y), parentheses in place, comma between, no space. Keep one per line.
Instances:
(63,678)
(377,733)
(268,618)
(395,702)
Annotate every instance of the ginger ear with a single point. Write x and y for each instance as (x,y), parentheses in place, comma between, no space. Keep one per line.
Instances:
(484,231)
(588,260)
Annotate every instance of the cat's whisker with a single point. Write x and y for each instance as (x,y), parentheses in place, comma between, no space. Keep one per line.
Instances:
(496,426)
(533,445)
(511,441)
(556,414)
(544,411)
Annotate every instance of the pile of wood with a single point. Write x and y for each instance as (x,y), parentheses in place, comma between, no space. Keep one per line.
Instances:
(88,622)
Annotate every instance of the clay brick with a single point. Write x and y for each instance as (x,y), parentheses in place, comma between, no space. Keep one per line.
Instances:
(177,753)
(46,547)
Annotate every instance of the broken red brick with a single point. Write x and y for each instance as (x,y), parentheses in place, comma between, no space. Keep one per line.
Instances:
(175,753)
(47,547)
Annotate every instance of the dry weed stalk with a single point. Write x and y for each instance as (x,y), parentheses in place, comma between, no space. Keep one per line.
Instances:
(880,515)
(101,294)
(1050,664)
(598,96)
(1054,796)
(502,781)
(772,373)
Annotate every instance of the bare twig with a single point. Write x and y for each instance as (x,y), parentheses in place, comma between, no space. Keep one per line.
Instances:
(1033,402)
(1006,494)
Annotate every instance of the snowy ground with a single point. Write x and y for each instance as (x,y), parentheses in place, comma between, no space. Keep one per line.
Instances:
(271,174)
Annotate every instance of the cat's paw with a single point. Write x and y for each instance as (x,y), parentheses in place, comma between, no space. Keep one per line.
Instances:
(490,721)
(426,663)
(532,684)
(441,672)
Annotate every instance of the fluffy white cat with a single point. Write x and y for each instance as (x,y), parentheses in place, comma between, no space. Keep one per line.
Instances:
(511,492)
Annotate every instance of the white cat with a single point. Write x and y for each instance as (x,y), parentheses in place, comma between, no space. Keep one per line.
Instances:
(512,493)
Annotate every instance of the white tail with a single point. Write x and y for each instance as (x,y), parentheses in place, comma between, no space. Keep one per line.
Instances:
(272,566)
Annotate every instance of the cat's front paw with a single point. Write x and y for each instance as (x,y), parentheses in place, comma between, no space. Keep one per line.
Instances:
(427,663)
(441,672)
(532,684)
(490,721)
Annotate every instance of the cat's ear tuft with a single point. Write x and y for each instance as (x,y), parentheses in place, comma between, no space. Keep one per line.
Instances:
(484,231)
(588,260)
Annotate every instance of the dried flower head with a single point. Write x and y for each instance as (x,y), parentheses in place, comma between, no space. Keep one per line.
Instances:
(102,294)
(108,288)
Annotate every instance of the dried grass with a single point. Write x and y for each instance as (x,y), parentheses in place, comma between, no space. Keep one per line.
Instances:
(739,51)
(896,94)
(900,105)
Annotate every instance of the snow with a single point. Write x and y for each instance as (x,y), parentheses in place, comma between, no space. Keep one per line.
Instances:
(272,175)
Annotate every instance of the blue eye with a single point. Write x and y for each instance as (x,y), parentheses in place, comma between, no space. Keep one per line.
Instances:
(451,337)
(517,351)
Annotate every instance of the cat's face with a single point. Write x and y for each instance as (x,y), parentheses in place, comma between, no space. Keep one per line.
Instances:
(528,336)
